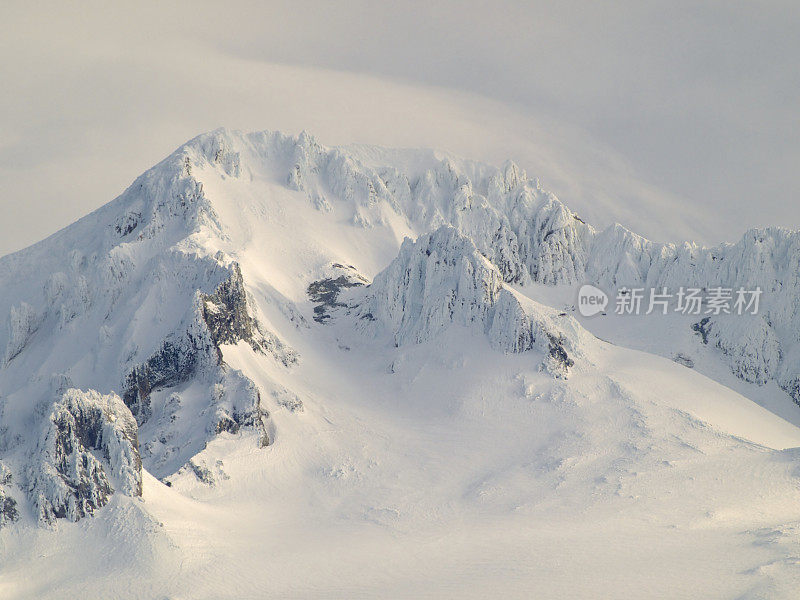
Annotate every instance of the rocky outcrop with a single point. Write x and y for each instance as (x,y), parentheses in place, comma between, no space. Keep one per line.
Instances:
(750,345)
(442,280)
(8,505)
(226,313)
(128,298)
(23,323)
(524,230)
(139,297)
(8,509)
(87,450)
(324,293)
(223,317)
(174,363)
(228,317)
(190,361)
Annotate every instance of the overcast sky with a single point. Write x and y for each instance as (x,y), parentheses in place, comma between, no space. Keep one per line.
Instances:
(677,119)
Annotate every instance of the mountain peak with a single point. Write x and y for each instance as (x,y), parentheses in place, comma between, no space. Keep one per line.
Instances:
(211,254)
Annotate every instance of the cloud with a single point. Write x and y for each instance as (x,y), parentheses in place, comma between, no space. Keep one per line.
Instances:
(676,122)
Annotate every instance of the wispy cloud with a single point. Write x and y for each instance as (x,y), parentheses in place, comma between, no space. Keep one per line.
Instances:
(677,120)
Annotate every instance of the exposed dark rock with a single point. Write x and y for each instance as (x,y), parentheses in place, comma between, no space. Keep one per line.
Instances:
(226,317)
(205,474)
(174,363)
(232,422)
(221,318)
(792,387)
(202,473)
(287,399)
(227,423)
(8,509)
(250,413)
(558,353)
(127,223)
(229,320)
(684,360)
(226,313)
(325,292)
(703,327)
(8,506)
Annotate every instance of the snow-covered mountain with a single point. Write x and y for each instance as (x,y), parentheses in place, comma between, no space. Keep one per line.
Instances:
(356,338)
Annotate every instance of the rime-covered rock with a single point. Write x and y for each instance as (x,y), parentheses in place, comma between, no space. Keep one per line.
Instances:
(9,512)
(753,351)
(759,347)
(22,324)
(442,280)
(87,449)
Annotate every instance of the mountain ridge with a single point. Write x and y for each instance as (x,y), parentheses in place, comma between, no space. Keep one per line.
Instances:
(272,368)
(162,274)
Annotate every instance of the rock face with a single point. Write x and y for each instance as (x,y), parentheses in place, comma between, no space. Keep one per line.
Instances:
(758,347)
(195,354)
(8,509)
(226,313)
(23,323)
(442,280)
(750,345)
(88,448)
(228,317)
(8,505)
(174,363)
(325,292)
(220,318)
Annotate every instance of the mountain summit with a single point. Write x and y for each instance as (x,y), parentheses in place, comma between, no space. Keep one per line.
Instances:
(267,340)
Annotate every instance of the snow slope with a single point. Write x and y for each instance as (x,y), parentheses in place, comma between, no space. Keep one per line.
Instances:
(261,390)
